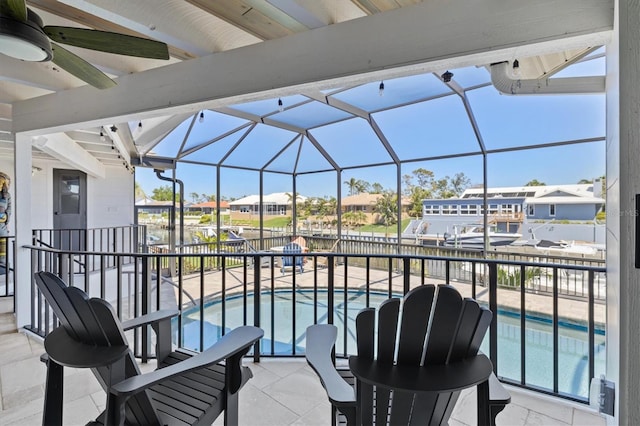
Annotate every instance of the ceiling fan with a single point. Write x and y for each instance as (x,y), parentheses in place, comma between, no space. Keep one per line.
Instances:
(23,36)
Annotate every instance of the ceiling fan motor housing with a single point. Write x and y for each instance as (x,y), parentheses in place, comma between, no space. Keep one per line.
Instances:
(25,40)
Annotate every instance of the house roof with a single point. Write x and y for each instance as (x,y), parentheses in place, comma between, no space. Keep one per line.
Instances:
(366,199)
(565,200)
(156,203)
(538,191)
(210,205)
(363,199)
(278,198)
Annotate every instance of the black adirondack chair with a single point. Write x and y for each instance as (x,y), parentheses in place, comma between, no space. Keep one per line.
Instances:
(186,389)
(413,376)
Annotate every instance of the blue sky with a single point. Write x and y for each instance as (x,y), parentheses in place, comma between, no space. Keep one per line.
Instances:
(439,127)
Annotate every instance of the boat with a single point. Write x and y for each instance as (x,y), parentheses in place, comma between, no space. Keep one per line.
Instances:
(153,239)
(566,247)
(473,236)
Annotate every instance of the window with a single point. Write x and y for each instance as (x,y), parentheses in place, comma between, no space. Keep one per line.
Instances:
(431,209)
(531,210)
(468,209)
(449,209)
(508,209)
(493,209)
(552,209)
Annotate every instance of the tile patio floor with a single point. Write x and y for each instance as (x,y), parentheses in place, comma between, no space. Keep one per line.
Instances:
(282,392)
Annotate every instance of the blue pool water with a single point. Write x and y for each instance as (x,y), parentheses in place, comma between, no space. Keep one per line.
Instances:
(573,341)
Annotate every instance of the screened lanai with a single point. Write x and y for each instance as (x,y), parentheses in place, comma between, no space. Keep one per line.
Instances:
(495,123)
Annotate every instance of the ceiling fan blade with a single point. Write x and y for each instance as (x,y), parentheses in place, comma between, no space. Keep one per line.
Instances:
(82,69)
(104,41)
(16,9)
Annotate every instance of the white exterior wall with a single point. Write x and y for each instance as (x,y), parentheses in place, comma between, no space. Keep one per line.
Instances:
(42,197)
(110,201)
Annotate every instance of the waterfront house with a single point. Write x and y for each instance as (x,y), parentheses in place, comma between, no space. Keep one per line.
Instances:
(365,203)
(209,207)
(275,204)
(550,212)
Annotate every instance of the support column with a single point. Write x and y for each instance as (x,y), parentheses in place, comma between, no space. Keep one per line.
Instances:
(22,214)
(623,183)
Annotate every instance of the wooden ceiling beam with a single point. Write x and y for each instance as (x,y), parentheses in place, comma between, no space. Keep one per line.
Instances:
(376,6)
(263,20)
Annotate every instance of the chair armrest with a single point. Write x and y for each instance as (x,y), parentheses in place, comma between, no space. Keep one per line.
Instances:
(238,340)
(321,339)
(426,379)
(148,319)
(160,321)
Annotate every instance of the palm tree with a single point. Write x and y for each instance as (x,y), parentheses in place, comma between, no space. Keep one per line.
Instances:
(387,207)
(333,205)
(362,186)
(352,184)
(376,188)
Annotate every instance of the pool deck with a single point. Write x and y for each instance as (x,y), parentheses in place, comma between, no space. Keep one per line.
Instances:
(272,398)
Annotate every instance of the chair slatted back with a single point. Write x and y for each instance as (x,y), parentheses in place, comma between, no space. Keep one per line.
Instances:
(95,323)
(436,326)
(292,248)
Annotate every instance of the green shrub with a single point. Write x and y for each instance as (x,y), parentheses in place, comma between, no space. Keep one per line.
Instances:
(512,279)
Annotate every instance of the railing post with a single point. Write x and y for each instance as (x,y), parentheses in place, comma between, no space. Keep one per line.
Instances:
(63,267)
(406,275)
(330,287)
(144,305)
(493,307)
(555,330)
(523,326)
(592,325)
(256,304)
(34,267)
(447,273)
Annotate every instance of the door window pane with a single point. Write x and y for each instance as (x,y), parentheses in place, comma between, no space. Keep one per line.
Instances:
(70,195)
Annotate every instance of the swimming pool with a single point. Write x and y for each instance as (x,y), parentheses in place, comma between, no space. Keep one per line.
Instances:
(283,336)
